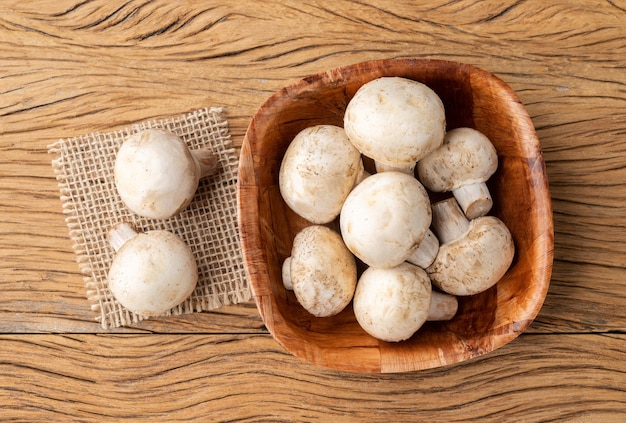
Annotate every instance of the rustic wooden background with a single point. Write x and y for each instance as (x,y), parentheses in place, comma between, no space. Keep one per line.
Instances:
(73,67)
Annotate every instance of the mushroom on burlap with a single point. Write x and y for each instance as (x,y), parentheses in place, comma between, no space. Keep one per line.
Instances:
(156,175)
(152,272)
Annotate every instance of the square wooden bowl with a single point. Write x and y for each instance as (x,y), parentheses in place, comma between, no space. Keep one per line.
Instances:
(472,97)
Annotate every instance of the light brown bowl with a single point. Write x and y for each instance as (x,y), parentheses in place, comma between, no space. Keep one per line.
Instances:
(473,98)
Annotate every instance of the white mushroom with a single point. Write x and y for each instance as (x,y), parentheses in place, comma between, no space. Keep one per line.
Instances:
(152,272)
(442,306)
(385,218)
(392,304)
(395,121)
(424,255)
(319,169)
(463,164)
(286,274)
(473,255)
(321,271)
(156,175)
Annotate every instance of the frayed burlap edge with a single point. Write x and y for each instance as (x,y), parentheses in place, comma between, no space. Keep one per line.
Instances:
(83,167)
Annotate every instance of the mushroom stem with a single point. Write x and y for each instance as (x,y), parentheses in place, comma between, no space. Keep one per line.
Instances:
(120,234)
(449,222)
(442,306)
(408,168)
(474,199)
(425,253)
(362,175)
(286,273)
(206,161)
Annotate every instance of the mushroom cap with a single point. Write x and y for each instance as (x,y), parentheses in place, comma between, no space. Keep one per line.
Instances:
(318,170)
(385,218)
(465,157)
(395,121)
(392,304)
(155,174)
(323,271)
(153,272)
(476,261)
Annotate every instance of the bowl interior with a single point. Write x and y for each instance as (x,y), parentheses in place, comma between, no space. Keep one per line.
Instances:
(472,97)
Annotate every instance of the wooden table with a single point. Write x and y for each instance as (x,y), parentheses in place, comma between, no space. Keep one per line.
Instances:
(74,67)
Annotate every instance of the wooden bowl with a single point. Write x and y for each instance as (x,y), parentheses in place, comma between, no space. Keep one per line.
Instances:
(472,97)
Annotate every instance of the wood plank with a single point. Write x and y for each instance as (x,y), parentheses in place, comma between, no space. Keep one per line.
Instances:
(583,298)
(71,67)
(249,378)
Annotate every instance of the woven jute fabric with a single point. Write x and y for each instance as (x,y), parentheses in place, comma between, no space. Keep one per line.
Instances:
(84,170)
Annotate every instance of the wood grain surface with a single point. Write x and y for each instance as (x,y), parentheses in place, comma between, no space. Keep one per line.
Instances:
(73,67)
(249,378)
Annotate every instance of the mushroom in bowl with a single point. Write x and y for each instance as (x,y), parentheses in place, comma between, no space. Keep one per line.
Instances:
(472,98)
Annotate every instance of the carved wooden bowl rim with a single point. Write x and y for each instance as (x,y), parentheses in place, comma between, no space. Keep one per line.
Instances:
(473,97)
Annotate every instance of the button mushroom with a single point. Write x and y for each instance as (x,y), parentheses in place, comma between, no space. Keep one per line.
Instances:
(319,169)
(321,271)
(473,255)
(395,121)
(463,164)
(425,254)
(157,176)
(152,272)
(385,218)
(392,304)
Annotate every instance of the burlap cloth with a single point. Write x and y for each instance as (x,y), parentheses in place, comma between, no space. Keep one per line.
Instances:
(84,169)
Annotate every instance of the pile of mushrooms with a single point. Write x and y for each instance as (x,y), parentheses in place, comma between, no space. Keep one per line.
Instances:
(156,176)
(418,257)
